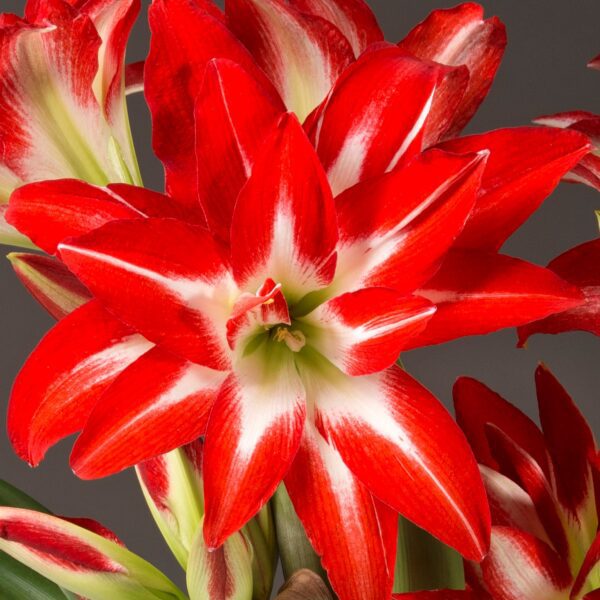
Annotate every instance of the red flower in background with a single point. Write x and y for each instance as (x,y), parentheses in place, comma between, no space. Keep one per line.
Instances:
(254,306)
(540,485)
(62,96)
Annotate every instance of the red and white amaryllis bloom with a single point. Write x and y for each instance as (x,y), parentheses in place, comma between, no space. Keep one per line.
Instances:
(263,302)
(62,96)
(541,486)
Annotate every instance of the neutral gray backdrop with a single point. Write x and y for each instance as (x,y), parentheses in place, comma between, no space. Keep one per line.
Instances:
(544,71)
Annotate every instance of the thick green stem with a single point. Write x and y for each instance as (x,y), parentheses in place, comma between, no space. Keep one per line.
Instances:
(424,563)
(294,548)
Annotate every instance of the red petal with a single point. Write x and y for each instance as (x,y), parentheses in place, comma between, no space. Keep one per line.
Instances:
(284,223)
(395,229)
(521,566)
(64,377)
(570,443)
(176,283)
(157,404)
(595,63)
(477,405)
(374,117)
(253,434)
(186,35)
(234,114)
(588,169)
(524,167)
(134,77)
(522,468)
(50,283)
(113,20)
(341,520)
(363,332)
(51,211)
(460,36)
(480,292)
(579,266)
(404,446)
(303,55)
(353,18)
(511,505)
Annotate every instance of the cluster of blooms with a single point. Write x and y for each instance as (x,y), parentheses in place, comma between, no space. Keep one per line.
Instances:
(236,337)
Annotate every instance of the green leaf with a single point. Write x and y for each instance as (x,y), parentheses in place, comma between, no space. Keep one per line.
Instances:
(18,582)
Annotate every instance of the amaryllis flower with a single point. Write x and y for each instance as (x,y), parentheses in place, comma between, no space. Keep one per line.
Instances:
(540,485)
(62,96)
(251,307)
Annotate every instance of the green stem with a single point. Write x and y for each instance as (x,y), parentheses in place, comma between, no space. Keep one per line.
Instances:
(424,563)
(295,550)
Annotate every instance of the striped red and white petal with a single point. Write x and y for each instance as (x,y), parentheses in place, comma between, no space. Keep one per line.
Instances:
(364,332)
(53,124)
(480,292)
(221,574)
(521,566)
(524,166)
(519,466)
(49,282)
(159,403)
(353,18)
(284,222)
(186,35)
(113,20)
(172,486)
(405,447)
(395,229)
(65,376)
(302,54)
(253,434)
(341,520)
(511,505)
(48,212)
(476,405)
(234,114)
(461,36)
(166,278)
(570,442)
(79,560)
(589,574)
(374,117)
(588,169)
(578,266)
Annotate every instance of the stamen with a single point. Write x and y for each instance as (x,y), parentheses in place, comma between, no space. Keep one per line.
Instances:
(294,340)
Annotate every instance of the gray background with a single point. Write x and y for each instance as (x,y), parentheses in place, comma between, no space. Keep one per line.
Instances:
(544,71)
